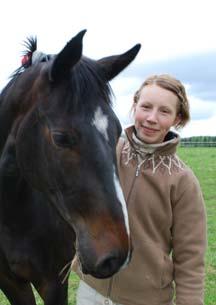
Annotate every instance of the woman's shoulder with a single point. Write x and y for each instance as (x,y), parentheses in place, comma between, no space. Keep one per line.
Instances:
(120,145)
(121,142)
(186,181)
(186,172)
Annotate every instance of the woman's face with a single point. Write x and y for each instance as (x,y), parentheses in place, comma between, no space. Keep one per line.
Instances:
(155,113)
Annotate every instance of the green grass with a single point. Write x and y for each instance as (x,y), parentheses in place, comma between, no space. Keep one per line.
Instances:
(203,163)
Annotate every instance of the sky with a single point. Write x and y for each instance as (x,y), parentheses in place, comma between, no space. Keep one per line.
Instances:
(177,37)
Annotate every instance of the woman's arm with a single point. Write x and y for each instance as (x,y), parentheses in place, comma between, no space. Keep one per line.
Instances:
(189,241)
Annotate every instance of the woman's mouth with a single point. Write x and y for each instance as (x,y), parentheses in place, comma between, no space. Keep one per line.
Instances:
(149,130)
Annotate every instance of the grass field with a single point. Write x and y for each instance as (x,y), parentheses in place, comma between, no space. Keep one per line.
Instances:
(203,163)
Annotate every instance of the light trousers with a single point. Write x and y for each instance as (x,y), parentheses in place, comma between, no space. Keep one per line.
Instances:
(86,295)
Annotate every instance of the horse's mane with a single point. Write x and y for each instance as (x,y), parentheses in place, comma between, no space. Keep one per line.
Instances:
(30,45)
(87,78)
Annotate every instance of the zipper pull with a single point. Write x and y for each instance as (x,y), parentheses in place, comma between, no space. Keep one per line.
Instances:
(137,170)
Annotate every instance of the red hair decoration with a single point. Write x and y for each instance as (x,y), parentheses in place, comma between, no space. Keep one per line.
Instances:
(25,59)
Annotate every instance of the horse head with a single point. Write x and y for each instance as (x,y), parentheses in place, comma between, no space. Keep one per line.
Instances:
(65,135)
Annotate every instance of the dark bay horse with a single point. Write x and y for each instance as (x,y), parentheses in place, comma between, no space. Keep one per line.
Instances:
(59,187)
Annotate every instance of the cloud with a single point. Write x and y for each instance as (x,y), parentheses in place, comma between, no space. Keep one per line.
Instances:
(203,127)
(201,109)
(197,70)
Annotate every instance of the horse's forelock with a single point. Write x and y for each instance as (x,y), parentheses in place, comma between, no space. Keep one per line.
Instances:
(88,81)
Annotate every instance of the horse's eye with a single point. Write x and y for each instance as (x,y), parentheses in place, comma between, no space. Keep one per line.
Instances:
(64,140)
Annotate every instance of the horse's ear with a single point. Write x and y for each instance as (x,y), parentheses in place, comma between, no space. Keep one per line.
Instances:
(67,58)
(113,65)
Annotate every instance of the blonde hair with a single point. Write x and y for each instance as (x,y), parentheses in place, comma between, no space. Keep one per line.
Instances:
(170,83)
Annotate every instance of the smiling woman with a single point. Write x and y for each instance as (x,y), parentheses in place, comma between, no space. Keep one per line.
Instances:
(165,206)
(159,104)
(154,113)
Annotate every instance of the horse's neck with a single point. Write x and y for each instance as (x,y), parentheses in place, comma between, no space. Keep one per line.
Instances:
(11,103)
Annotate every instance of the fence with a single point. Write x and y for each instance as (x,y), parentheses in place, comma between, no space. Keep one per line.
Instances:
(197,144)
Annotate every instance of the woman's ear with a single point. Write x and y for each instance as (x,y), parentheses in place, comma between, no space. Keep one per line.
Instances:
(177,120)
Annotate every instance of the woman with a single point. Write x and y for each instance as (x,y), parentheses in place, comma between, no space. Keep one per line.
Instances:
(165,206)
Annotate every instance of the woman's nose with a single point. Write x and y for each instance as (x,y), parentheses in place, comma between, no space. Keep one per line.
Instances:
(152,116)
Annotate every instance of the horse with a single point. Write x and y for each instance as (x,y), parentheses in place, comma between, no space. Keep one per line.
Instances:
(59,187)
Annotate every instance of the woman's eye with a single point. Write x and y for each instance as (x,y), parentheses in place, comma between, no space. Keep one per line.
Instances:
(145,106)
(64,140)
(165,111)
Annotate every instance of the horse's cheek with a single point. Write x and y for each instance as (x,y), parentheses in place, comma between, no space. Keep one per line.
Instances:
(28,155)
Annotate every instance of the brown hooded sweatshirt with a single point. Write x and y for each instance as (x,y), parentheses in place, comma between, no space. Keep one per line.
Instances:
(168,227)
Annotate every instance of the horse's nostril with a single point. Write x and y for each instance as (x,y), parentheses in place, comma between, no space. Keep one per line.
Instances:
(108,265)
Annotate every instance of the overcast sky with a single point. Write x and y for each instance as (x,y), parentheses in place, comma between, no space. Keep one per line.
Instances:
(177,37)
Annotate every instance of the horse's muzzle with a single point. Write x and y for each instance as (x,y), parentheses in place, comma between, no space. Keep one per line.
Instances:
(107,265)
